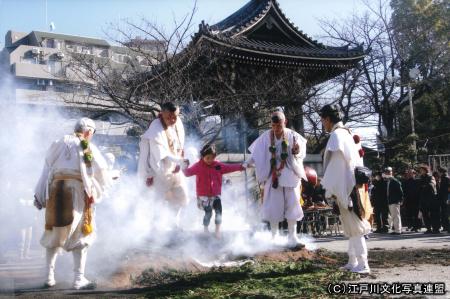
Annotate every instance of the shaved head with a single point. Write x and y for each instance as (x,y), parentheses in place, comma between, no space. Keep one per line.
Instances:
(280,115)
(278,123)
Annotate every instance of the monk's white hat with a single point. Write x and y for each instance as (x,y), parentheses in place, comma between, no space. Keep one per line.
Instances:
(84,124)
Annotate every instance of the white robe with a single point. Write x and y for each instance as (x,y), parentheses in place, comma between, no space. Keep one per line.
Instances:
(155,160)
(283,202)
(340,159)
(66,156)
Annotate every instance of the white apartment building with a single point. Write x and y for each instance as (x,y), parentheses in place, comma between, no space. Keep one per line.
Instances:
(38,75)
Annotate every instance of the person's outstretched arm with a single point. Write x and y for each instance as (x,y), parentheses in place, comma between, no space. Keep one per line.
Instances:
(230,167)
(193,170)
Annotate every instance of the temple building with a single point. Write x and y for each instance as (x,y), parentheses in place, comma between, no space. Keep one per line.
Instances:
(259,34)
(261,54)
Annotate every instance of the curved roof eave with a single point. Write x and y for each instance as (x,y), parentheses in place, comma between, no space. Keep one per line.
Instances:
(281,55)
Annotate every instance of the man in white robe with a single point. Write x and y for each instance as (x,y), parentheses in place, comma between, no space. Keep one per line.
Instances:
(161,155)
(73,179)
(340,159)
(281,198)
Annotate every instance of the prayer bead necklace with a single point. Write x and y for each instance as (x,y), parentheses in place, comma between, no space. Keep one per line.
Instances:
(276,172)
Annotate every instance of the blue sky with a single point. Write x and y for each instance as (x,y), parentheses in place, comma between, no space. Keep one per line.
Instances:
(92,17)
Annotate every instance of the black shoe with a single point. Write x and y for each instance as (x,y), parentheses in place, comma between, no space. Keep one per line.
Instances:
(377,231)
(395,233)
(428,231)
(435,232)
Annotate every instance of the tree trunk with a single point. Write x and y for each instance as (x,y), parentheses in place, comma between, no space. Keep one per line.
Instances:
(294,116)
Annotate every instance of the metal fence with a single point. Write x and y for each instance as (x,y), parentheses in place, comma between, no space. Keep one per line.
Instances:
(436,161)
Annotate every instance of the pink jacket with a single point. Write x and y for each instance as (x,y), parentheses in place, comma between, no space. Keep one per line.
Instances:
(209,177)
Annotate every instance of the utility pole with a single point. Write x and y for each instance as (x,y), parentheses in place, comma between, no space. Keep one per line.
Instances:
(411,114)
(413,74)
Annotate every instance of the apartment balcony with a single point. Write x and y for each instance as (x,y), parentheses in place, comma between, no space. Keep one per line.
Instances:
(34,71)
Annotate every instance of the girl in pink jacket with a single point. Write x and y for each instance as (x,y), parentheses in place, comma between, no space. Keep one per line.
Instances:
(209,174)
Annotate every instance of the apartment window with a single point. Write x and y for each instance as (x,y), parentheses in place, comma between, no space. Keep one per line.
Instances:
(62,88)
(122,58)
(100,52)
(57,44)
(104,53)
(55,67)
(50,43)
(86,50)
(31,60)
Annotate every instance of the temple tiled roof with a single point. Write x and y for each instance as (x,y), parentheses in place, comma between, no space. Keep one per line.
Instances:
(243,17)
(253,12)
(287,50)
(240,32)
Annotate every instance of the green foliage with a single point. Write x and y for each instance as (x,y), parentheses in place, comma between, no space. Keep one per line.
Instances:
(421,33)
(252,280)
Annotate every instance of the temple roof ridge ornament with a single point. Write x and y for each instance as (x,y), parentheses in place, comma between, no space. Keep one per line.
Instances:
(254,12)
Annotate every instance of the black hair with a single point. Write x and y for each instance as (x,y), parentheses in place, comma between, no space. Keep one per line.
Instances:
(442,169)
(276,119)
(169,106)
(424,166)
(332,111)
(209,149)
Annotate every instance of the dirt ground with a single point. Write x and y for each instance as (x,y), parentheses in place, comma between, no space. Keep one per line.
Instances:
(141,269)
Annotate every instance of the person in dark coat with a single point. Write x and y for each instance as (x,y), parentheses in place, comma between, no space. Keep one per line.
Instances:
(427,195)
(319,194)
(394,195)
(442,195)
(411,200)
(380,204)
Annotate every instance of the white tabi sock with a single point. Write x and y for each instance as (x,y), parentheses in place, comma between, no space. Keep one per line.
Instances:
(352,261)
(79,263)
(361,255)
(293,240)
(274,228)
(51,255)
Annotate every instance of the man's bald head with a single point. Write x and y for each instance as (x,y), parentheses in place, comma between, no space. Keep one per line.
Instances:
(278,115)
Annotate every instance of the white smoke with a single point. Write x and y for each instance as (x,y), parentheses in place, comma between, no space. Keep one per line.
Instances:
(130,216)
(133,218)
(26,133)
